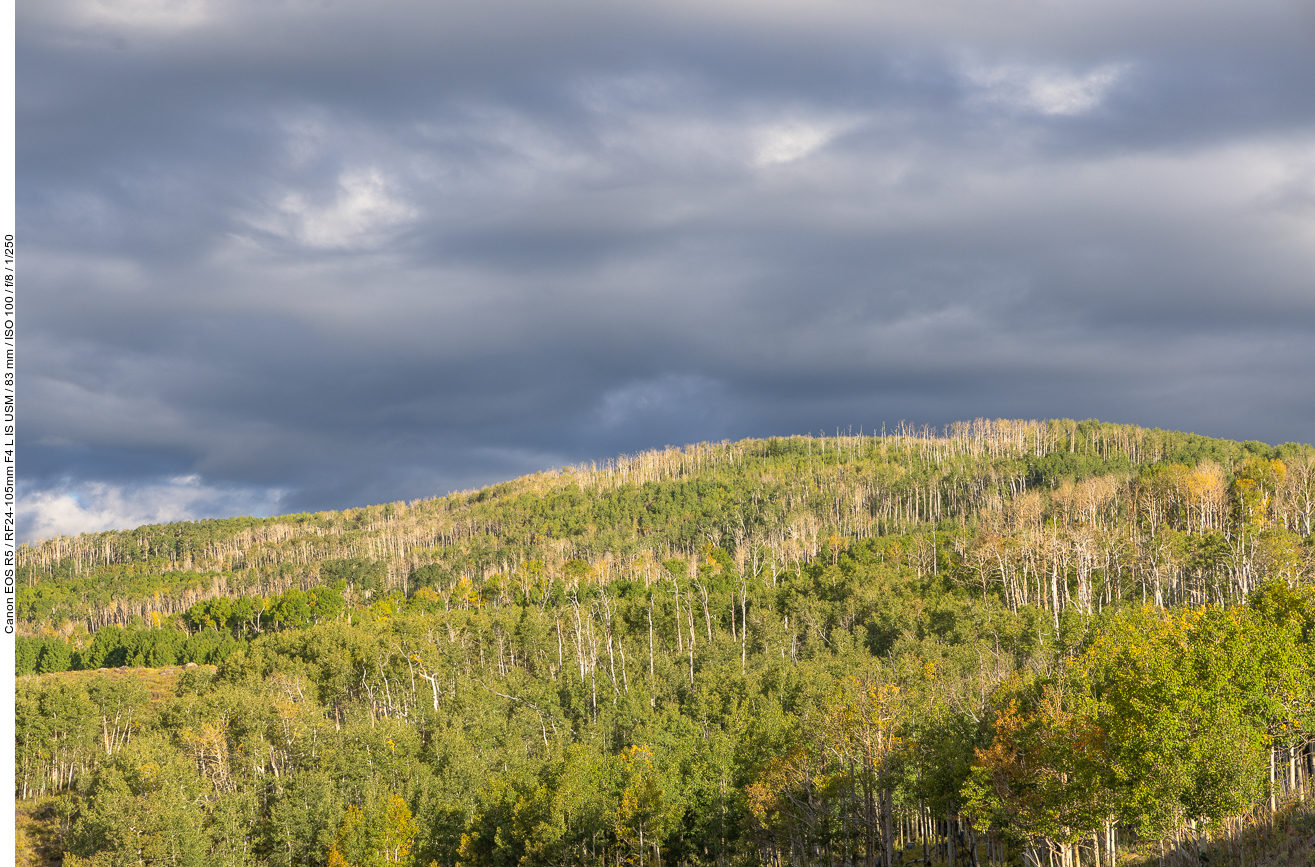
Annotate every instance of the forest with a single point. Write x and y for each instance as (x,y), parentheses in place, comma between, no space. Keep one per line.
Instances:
(1033,643)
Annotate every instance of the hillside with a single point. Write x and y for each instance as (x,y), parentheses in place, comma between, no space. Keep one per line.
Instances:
(1004,642)
(1016,498)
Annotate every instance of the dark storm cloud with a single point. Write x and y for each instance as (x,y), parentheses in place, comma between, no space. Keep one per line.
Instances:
(311,255)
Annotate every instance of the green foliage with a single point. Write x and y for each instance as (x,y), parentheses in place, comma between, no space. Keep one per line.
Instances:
(1184,707)
(432,575)
(140,809)
(297,609)
(112,647)
(376,836)
(1058,467)
(26,653)
(727,654)
(363,576)
(56,655)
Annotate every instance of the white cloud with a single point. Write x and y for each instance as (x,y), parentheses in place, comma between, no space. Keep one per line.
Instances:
(1047,91)
(364,207)
(89,507)
(782,143)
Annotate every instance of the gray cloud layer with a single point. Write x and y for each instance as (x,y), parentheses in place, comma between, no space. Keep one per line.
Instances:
(302,255)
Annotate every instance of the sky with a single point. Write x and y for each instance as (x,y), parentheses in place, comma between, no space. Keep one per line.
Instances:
(293,255)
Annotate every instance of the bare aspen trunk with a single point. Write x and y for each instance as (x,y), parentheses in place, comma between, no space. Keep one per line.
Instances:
(1054,591)
(1272,800)
(707,615)
(887,827)
(922,831)
(744,628)
(689,610)
(611,662)
(680,644)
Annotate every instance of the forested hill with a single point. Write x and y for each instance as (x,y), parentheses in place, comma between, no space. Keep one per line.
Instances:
(1009,642)
(1006,505)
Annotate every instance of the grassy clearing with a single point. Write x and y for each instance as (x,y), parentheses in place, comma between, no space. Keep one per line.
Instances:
(160,682)
(1286,839)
